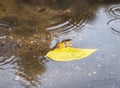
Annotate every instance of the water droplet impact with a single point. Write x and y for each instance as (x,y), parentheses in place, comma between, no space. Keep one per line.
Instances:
(89,74)
(118,79)
(89,85)
(67,25)
(99,65)
(94,72)
(114,24)
(113,10)
(111,73)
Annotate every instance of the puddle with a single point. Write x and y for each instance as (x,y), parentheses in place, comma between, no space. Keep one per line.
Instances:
(28,29)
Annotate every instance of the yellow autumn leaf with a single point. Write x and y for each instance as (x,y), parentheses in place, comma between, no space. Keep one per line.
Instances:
(69,53)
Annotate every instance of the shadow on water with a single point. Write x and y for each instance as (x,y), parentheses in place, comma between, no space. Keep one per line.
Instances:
(26,27)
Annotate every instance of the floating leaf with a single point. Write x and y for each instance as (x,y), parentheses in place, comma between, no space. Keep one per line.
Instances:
(69,53)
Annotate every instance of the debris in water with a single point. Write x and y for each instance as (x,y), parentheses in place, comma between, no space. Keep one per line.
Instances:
(65,52)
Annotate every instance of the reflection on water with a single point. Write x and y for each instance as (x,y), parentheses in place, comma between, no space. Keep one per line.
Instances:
(31,64)
(4,31)
(73,18)
(26,28)
(24,40)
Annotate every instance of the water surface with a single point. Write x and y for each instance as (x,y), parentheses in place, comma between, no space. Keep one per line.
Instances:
(30,28)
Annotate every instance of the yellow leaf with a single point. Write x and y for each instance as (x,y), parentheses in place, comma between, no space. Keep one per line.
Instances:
(69,53)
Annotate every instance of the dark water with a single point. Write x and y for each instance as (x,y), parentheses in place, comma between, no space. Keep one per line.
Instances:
(30,28)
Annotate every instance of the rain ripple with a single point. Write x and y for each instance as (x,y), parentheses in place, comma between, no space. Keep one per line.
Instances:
(68,26)
(4,30)
(5,61)
(114,24)
(113,10)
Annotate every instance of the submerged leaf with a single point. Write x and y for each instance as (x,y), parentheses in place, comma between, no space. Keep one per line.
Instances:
(69,53)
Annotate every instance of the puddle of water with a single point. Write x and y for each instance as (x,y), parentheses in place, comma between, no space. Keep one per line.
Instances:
(28,27)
